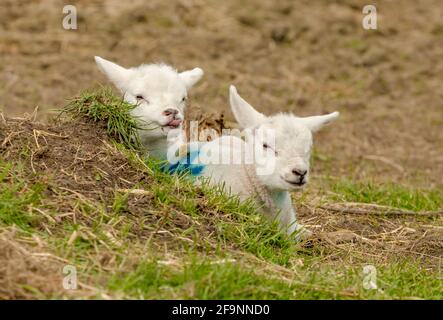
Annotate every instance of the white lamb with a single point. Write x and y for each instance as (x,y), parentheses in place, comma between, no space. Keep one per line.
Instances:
(278,150)
(160,93)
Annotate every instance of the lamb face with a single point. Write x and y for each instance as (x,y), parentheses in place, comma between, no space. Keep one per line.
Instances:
(282,155)
(159,92)
(282,143)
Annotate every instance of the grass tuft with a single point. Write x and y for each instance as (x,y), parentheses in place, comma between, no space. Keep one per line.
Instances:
(103,106)
(17,197)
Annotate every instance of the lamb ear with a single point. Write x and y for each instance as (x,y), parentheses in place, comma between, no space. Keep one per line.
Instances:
(118,75)
(244,113)
(191,77)
(315,123)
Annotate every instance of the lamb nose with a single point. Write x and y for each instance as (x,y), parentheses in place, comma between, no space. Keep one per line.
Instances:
(299,172)
(169,112)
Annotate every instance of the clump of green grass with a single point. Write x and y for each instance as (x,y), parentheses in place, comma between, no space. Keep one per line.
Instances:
(16,197)
(103,106)
(389,195)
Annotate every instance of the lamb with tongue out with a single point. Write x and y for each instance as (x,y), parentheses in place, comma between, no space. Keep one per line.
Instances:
(160,94)
(175,123)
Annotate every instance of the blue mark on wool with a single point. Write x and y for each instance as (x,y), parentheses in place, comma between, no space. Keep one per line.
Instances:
(187,164)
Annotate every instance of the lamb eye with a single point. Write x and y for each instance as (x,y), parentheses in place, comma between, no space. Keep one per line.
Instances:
(183,99)
(266,146)
(139,98)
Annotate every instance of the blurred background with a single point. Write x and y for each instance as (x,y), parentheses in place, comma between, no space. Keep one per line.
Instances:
(306,56)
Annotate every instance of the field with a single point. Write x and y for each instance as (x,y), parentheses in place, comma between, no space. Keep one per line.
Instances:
(74,194)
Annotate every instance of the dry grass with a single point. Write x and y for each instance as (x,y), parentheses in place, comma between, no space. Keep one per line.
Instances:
(28,271)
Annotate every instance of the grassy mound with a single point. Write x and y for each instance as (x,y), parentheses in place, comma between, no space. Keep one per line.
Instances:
(75,192)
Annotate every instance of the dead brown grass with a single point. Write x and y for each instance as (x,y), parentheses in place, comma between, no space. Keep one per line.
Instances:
(345,237)
(29,271)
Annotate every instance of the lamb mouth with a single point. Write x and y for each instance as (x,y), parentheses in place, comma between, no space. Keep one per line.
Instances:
(174,124)
(293,183)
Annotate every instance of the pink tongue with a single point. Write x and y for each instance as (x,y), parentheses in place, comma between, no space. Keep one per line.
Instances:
(174,123)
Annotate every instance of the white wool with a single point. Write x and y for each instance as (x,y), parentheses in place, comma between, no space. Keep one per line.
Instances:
(162,93)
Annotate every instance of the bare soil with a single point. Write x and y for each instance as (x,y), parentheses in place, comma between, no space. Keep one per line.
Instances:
(71,153)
